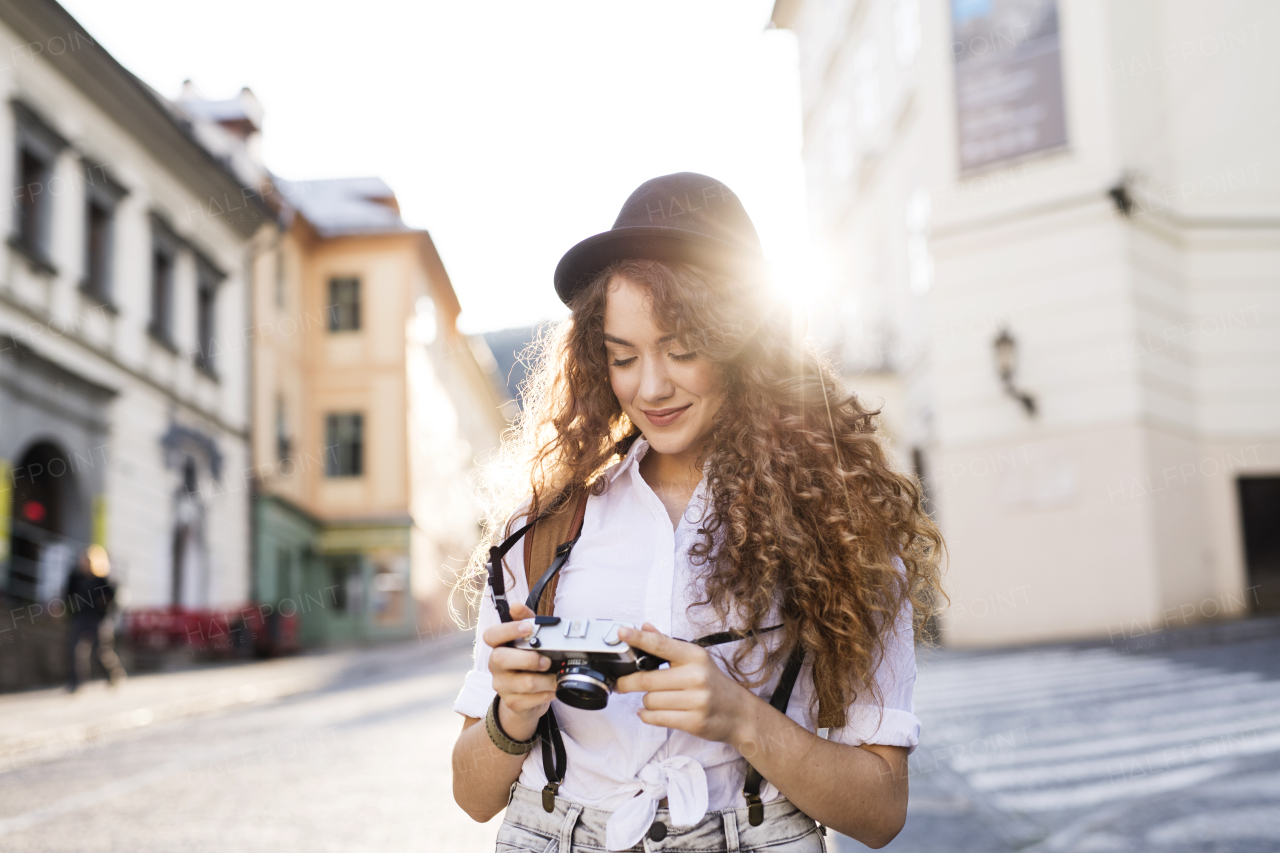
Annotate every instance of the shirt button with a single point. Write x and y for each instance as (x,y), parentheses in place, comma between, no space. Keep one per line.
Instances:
(658,831)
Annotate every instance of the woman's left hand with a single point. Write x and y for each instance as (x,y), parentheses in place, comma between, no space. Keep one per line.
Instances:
(693,695)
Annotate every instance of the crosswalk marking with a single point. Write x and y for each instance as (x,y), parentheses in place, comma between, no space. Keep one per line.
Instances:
(1122,744)
(1055,730)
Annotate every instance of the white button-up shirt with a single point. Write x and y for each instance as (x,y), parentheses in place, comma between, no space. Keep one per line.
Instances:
(630,566)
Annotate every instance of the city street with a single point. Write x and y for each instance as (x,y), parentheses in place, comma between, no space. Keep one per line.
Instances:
(1062,749)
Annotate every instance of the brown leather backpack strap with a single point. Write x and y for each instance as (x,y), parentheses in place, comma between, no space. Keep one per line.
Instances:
(552,530)
(830,718)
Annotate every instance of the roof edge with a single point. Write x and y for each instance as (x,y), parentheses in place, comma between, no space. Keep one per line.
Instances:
(133,106)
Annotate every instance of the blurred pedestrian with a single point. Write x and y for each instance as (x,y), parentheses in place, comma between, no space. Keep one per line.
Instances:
(90,596)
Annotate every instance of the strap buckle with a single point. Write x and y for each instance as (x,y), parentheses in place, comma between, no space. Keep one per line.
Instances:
(755,809)
(549,798)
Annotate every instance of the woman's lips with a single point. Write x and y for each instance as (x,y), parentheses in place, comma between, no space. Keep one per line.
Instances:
(664,417)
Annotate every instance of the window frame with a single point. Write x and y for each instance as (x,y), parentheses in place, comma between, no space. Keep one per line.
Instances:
(338,465)
(164,244)
(348,321)
(208,280)
(103,194)
(284,443)
(31,229)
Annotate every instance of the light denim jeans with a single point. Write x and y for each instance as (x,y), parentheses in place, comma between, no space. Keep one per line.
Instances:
(571,828)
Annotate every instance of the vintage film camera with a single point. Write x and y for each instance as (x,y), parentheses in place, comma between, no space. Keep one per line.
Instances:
(587,657)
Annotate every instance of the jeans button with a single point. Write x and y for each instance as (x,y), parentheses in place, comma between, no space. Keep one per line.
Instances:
(658,831)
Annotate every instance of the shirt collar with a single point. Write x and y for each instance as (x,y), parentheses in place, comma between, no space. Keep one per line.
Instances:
(638,449)
(633,457)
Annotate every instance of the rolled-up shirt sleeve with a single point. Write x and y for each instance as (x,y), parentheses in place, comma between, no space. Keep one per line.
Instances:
(477,690)
(894,723)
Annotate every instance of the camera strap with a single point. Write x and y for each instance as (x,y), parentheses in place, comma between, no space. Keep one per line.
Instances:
(554,759)
(498,581)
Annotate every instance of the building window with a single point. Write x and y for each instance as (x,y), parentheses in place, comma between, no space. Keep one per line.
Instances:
(207,279)
(164,251)
(283,445)
(344,304)
(280,277)
(97,250)
(346,583)
(344,445)
(38,146)
(101,196)
(33,202)
(284,573)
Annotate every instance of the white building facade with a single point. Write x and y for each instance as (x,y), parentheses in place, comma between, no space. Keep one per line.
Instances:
(1100,181)
(123,322)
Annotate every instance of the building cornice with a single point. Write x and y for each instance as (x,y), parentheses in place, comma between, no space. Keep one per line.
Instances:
(134,106)
(195,409)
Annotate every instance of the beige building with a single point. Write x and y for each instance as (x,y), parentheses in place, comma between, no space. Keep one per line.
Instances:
(371,410)
(1099,181)
(369,407)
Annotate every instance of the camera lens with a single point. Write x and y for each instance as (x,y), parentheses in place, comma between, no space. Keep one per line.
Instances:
(581,685)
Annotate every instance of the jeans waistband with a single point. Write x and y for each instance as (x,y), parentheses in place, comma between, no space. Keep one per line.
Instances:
(573,826)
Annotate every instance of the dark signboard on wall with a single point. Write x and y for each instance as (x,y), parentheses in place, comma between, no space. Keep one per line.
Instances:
(1008,79)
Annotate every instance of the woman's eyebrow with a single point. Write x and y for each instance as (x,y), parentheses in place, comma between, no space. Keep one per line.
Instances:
(620,342)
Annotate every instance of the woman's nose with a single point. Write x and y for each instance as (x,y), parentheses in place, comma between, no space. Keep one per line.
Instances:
(655,383)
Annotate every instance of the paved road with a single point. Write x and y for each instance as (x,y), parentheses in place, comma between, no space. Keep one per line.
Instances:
(361,764)
(1089,750)
(1049,750)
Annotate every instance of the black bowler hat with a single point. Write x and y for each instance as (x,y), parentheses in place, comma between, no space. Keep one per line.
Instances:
(682,217)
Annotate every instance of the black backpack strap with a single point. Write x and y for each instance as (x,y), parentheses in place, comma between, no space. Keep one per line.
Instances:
(780,699)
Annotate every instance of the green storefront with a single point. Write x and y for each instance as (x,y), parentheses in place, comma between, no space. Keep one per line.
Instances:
(346,582)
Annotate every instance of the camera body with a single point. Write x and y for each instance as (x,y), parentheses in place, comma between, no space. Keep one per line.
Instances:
(587,657)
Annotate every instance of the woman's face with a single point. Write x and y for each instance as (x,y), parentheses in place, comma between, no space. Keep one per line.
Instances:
(670,392)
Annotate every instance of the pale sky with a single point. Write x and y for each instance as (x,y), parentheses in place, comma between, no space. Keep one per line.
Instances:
(509,130)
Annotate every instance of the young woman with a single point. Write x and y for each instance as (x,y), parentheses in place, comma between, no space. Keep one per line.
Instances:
(732,488)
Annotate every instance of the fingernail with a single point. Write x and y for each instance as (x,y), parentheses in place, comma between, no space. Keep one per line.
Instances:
(526,628)
(543,663)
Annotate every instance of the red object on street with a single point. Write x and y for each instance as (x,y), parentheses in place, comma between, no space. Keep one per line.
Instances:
(216,632)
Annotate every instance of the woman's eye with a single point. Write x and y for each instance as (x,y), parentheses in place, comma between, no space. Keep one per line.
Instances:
(622,362)
(684,356)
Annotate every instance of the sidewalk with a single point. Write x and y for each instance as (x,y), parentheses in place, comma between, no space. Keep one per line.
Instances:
(46,724)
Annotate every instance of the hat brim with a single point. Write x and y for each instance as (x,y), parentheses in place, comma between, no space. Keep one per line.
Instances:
(585,261)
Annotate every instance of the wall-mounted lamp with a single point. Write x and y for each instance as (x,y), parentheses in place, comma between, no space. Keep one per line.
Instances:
(1006,365)
(1122,194)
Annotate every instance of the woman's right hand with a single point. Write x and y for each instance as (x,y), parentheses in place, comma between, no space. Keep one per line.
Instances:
(520,676)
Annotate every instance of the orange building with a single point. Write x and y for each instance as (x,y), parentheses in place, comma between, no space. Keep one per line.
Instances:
(369,411)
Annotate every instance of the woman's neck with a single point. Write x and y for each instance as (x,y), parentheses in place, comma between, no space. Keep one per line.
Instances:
(673,477)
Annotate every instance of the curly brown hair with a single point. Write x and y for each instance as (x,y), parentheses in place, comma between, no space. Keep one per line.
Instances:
(807,507)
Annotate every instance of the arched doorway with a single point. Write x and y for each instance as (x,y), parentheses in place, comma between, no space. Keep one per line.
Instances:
(41,553)
(188,580)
